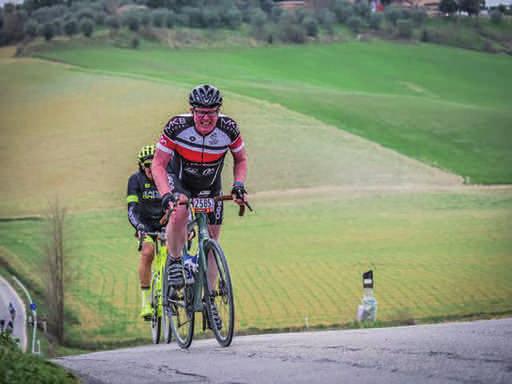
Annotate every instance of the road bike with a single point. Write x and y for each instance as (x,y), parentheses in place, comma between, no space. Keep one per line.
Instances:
(158,287)
(210,292)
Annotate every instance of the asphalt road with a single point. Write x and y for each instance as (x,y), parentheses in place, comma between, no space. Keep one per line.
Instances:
(475,352)
(9,295)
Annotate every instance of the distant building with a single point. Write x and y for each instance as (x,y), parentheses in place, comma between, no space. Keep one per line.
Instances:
(290,4)
(303,3)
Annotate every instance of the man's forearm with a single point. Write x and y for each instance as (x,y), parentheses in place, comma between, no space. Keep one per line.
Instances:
(240,171)
(240,166)
(158,169)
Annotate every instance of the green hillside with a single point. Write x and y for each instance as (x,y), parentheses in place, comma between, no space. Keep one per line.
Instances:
(446,107)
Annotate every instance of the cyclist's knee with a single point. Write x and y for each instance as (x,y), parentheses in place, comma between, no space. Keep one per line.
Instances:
(147,252)
(179,217)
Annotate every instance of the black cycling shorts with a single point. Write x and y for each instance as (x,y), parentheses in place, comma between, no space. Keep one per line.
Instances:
(215,217)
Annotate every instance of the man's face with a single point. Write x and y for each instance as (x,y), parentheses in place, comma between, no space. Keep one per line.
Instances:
(205,119)
(147,169)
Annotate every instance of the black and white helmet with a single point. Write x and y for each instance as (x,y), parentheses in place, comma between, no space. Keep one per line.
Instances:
(205,96)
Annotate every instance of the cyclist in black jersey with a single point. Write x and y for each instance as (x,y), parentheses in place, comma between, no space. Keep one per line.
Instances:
(144,213)
(188,163)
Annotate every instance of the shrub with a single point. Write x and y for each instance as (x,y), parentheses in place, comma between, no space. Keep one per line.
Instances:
(267,5)
(362,9)
(182,19)
(233,18)
(496,16)
(31,27)
(158,17)
(210,18)
(71,27)
(170,19)
(194,16)
(425,36)
(145,18)
(258,18)
(47,31)
(292,33)
(418,15)
(343,11)
(86,13)
(100,18)
(472,7)
(87,27)
(375,21)
(404,27)
(355,23)
(132,21)
(392,14)
(311,26)
(57,27)
(326,18)
(275,14)
(113,22)
(448,6)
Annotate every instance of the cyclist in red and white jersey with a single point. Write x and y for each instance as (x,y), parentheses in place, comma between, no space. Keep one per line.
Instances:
(188,163)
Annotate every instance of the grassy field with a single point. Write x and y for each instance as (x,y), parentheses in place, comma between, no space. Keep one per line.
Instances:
(90,127)
(446,107)
(329,204)
(435,255)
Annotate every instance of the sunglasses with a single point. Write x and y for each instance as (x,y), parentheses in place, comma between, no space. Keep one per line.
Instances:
(206,113)
(147,164)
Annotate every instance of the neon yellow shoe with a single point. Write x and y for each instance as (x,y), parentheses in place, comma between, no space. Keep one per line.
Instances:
(146,311)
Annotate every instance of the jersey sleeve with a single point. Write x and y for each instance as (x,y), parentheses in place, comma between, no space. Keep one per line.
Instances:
(167,142)
(132,199)
(133,192)
(230,126)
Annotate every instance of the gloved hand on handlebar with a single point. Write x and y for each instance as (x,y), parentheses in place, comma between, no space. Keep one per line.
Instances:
(141,229)
(168,199)
(239,193)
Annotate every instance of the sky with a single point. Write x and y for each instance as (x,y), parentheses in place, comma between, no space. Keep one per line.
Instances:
(2,2)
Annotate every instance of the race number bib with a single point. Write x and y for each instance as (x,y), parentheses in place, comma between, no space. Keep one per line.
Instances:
(201,204)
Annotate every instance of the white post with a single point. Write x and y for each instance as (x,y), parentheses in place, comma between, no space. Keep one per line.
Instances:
(34,313)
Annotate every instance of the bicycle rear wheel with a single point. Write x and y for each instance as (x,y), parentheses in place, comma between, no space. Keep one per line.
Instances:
(180,314)
(156,318)
(219,295)
(166,327)
(166,323)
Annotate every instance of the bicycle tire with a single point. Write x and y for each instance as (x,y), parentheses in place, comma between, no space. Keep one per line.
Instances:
(180,314)
(222,294)
(156,318)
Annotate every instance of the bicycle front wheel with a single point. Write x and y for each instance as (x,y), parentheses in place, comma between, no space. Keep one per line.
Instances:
(180,314)
(218,292)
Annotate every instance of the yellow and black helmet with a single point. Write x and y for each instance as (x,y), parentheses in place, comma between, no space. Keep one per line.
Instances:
(146,153)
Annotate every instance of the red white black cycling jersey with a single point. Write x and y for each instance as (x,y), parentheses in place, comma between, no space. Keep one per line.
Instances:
(197,160)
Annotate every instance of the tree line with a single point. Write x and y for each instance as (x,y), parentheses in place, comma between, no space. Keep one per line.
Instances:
(262,19)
